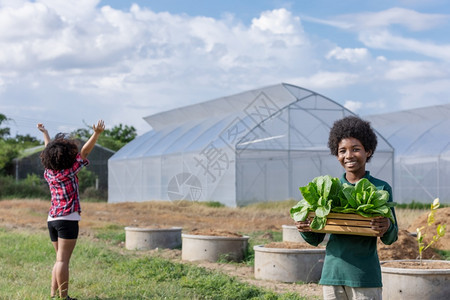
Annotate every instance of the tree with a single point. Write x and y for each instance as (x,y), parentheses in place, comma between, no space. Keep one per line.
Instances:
(4,132)
(24,141)
(11,147)
(113,139)
(124,134)
(7,151)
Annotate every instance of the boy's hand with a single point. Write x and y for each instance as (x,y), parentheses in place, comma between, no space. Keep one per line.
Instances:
(304,226)
(41,127)
(100,127)
(380,224)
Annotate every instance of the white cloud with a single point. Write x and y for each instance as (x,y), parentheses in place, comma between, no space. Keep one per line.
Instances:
(12,3)
(408,18)
(348,54)
(375,30)
(353,106)
(96,61)
(138,62)
(31,20)
(278,21)
(326,80)
(117,39)
(366,107)
(405,70)
(72,11)
(425,93)
(388,41)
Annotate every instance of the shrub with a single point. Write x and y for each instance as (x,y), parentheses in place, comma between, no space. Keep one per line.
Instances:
(86,179)
(416,205)
(91,194)
(212,204)
(31,187)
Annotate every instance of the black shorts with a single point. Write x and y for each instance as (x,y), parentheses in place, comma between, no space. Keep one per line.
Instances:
(63,229)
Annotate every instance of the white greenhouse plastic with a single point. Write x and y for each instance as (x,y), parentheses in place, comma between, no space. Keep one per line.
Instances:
(256,146)
(421,138)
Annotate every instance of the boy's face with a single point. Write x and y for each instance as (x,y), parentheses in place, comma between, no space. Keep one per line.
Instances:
(353,157)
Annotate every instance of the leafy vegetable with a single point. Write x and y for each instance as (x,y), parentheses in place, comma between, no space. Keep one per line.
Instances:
(325,194)
(366,200)
(318,196)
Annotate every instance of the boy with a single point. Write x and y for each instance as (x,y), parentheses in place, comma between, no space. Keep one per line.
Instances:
(351,268)
(62,162)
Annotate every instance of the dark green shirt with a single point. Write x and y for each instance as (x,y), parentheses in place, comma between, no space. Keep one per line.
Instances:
(352,260)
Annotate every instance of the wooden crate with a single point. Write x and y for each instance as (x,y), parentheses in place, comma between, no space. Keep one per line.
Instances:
(353,224)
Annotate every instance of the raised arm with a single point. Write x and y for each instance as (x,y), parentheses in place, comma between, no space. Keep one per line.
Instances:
(87,148)
(44,131)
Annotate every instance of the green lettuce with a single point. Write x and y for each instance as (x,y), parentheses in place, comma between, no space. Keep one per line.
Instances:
(318,196)
(325,194)
(365,199)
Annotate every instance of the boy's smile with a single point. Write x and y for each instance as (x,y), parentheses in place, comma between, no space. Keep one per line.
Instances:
(353,157)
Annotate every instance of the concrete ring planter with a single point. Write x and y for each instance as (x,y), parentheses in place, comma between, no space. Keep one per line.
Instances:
(404,283)
(151,238)
(288,265)
(213,248)
(291,234)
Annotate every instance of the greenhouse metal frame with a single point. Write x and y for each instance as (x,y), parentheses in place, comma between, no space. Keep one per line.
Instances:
(256,146)
(421,138)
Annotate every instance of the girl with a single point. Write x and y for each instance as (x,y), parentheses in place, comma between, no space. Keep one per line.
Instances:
(62,162)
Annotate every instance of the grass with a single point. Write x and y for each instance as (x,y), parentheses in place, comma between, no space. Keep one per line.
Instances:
(418,205)
(99,271)
(445,254)
(260,238)
(114,235)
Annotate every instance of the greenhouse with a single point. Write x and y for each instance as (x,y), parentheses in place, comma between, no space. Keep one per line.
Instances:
(421,139)
(256,146)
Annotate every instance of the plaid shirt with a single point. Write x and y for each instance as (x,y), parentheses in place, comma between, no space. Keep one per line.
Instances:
(64,188)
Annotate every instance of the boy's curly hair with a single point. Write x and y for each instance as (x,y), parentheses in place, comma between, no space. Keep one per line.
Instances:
(60,153)
(352,127)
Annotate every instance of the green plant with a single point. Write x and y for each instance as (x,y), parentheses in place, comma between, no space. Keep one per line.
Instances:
(91,194)
(445,254)
(31,187)
(86,178)
(113,234)
(99,271)
(440,230)
(260,238)
(417,205)
(212,204)
(325,194)
(318,197)
(366,200)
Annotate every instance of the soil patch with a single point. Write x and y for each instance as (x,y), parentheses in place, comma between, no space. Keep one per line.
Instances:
(441,216)
(425,265)
(214,232)
(193,217)
(291,245)
(404,248)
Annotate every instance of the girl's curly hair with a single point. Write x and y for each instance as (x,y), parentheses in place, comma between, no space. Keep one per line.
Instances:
(60,153)
(352,127)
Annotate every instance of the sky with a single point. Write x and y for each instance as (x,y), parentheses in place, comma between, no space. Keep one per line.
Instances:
(70,63)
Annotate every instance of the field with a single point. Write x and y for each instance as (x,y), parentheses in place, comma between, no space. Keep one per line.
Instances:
(101,229)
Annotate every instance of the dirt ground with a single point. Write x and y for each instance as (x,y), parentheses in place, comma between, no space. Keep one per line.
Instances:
(193,217)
